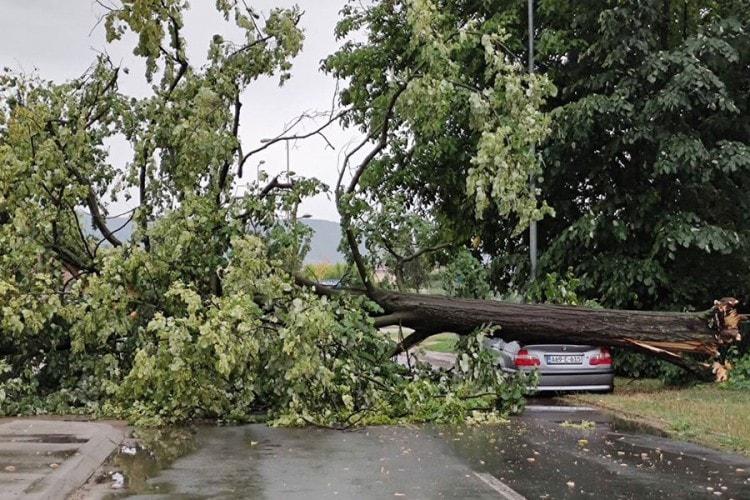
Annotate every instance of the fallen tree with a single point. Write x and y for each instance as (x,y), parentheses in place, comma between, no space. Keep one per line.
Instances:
(663,334)
(197,315)
(667,335)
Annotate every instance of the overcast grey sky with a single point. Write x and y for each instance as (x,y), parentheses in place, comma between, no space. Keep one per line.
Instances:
(59,39)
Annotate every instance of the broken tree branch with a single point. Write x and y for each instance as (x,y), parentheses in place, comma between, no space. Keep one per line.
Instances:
(425,250)
(285,138)
(392,319)
(98,219)
(346,219)
(382,141)
(224,172)
(90,120)
(413,339)
(274,184)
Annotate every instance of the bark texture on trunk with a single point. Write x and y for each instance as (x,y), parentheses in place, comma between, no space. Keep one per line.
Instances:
(666,335)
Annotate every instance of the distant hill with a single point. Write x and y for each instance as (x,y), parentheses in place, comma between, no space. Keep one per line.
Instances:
(325,241)
(120,226)
(323,245)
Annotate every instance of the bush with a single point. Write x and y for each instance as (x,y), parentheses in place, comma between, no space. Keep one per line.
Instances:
(556,289)
(739,377)
(635,365)
(739,357)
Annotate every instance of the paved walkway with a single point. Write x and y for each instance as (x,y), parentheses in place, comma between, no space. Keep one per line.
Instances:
(50,459)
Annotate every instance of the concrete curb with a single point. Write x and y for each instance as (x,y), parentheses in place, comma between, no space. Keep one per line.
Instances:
(75,471)
(101,440)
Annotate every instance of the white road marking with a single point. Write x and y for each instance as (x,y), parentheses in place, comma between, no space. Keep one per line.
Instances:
(503,489)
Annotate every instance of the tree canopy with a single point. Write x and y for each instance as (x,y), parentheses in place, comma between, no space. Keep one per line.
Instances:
(641,140)
(644,143)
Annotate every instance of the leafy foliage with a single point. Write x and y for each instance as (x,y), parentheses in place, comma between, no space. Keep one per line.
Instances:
(555,289)
(478,365)
(465,276)
(200,315)
(646,166)
(455,119)
(739,357)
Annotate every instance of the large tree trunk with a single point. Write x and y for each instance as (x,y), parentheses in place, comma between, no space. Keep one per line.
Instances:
(663,334)
(666,335)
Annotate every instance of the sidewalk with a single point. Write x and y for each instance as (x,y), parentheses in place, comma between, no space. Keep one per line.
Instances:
(50,459)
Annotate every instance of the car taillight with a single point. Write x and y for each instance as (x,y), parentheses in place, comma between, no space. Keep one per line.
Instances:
(602,358)
(523,358)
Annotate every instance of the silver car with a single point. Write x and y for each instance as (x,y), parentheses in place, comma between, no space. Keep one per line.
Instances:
(562,367)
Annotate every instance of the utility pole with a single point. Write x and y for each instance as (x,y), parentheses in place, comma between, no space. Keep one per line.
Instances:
(532,181)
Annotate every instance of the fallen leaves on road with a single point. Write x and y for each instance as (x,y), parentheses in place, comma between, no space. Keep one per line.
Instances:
(583,424)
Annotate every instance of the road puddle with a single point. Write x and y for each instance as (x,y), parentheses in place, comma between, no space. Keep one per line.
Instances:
(41,438)
(129,470)
(619,424)
(24,462)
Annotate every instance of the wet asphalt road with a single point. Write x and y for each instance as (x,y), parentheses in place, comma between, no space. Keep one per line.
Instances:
(534,455)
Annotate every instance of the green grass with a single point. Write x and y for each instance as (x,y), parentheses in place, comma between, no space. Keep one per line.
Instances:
(706,413)
(444,342)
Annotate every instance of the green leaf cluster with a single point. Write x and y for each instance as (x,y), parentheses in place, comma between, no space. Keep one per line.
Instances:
(458,118)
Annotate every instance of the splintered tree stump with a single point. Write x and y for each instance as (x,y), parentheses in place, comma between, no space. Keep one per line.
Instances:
(666,335)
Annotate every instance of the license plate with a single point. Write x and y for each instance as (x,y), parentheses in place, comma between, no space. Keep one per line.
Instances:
(564,359)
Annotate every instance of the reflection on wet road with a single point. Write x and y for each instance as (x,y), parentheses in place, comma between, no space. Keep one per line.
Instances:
(588,457)
(541,456)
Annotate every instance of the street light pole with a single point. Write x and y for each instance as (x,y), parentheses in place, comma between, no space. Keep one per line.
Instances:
(532,181)
(286,143)
(287,159)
